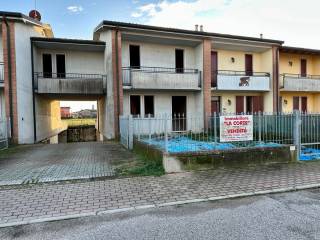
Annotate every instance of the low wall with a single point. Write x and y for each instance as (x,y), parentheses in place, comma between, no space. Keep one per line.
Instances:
(241,157)
(78,134)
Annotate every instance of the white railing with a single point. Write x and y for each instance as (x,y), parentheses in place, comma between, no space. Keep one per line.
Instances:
(161,78)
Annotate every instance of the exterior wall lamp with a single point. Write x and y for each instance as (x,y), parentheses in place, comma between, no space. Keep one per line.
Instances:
(290,63)
(229,102)
(233,60)
(285,101)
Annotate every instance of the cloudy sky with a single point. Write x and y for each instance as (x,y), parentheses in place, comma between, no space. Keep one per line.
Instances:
(294,21)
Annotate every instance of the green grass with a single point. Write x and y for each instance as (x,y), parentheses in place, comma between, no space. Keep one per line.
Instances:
(141,166)
(11,151)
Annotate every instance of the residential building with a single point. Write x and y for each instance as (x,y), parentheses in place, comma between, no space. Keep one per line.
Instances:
(299,79)
(65,112)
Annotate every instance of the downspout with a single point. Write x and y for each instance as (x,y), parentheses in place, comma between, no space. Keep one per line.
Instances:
(33,97)
(9,74)
(117,79)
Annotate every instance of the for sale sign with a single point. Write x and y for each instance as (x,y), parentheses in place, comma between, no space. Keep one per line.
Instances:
(236,128)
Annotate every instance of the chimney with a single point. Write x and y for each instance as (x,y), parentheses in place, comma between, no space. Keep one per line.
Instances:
(196,27)
(261,35)
(201,28)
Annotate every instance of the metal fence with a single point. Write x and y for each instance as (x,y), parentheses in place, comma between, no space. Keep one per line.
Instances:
(192,134)
(1,72)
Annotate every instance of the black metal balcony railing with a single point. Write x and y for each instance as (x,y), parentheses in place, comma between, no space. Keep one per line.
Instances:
(214,76)
(67,75)
(291,75)
(1,72)
(299,82)
(180,77)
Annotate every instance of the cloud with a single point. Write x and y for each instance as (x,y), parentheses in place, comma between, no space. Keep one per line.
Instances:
(75,9)
(289,20)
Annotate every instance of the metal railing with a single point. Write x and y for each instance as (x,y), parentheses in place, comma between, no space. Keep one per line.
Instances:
(181,134)
(299,82)
(232,80)
(1,72)
(165,77)
(67,75)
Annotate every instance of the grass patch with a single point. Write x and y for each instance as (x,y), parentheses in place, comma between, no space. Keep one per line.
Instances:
(141,166)
(4,153)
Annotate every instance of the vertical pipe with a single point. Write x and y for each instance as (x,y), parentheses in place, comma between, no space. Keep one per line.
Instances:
(33,96)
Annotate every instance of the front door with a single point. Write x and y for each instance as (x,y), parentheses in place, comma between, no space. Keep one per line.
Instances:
(304,104)
(239,104)
(179,113)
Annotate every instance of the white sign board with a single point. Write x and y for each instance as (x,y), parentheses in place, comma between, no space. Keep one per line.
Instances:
(236,128)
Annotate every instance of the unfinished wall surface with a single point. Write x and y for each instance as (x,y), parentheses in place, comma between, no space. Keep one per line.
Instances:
(1,47)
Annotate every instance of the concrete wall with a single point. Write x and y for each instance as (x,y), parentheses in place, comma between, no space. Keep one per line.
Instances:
(106,104)
(23,32)
(158,55)
(76,61)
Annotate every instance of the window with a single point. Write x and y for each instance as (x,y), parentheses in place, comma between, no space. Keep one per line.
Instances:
(296,103)
(303,70)
(61,65)
(47,65)
(135,105)
(248,65)
(134,56)
(149,106)
(179,61)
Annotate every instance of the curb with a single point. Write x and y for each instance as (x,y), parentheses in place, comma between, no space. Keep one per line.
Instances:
(141,207)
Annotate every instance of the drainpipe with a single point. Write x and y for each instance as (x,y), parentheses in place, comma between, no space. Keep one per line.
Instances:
(9,74)
(33,97)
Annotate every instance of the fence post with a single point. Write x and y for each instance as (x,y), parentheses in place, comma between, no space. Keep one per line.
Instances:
(297,132)
(166,133)
(139,126)
(215,127)
(149,122)
(259,125)
(130,132)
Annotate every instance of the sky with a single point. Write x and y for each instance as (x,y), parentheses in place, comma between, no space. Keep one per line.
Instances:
(294,21)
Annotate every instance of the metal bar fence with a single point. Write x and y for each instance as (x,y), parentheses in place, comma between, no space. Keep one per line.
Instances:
(180,133)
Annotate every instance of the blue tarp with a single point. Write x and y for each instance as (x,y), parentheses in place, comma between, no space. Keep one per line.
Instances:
(184,144)
(309,154)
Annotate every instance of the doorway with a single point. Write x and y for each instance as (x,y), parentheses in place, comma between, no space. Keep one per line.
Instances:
(248,65)
(179,113)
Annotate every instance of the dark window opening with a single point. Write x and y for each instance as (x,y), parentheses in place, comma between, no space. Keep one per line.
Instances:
(47,65)
(304,104)
(134,56)
(149,106)
(135,105)
(249,104)
(179,61)
(179,113)
(61,65)
(214,68)
(303,67)
(248,65)
(296,103)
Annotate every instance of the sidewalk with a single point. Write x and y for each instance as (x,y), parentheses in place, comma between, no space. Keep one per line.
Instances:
(44,202)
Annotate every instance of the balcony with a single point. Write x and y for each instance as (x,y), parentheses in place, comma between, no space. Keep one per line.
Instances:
(70,83)
(240,81)
(1,74)
(297,82)
(161,78)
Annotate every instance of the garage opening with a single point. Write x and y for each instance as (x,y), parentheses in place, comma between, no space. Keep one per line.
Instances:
(80,119)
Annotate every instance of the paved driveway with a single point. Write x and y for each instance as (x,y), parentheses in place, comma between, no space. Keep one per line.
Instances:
(46,163)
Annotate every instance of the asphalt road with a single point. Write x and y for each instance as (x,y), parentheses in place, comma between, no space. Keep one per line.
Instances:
(293,215)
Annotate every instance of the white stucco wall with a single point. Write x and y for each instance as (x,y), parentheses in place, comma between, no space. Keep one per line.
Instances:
(163,105)
(158,55)
(76,61)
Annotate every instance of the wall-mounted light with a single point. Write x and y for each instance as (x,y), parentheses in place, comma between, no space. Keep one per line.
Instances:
(229,102)
(285,101)
(233,60)
(290,63)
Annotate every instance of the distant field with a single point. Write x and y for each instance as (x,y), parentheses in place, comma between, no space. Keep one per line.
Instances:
(79,122)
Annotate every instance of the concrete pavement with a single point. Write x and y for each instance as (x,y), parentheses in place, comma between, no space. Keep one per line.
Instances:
(279,216)
(43,202)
